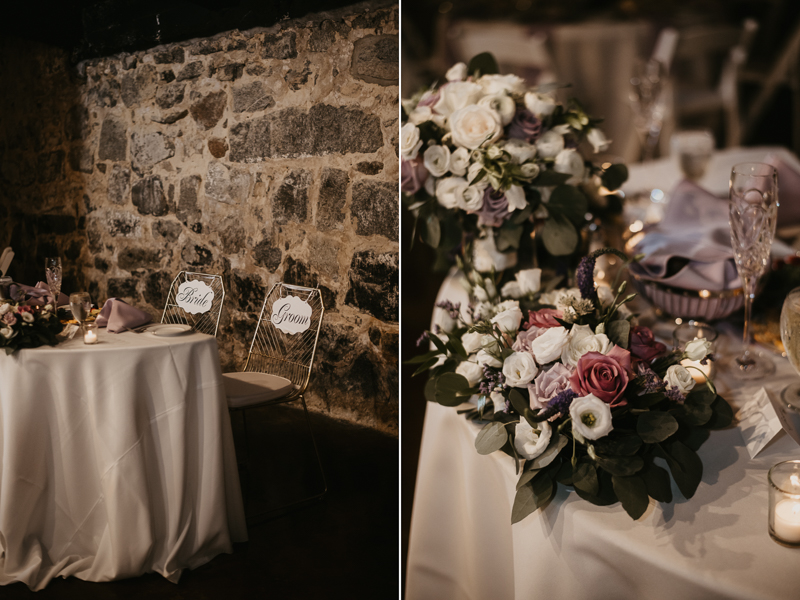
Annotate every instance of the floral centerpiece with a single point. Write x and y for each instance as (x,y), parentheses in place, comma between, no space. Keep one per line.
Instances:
(487,160)
(573,391)
(24,326)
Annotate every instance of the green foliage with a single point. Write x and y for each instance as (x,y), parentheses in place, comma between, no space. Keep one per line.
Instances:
(491,438)
(483,64)
(614,176)
(559,236)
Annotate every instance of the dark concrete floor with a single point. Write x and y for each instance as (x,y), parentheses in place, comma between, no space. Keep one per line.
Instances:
(344,546)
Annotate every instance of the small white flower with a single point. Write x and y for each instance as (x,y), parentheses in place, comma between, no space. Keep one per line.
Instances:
(409,141)
(530,442)
(499,401)
(471,342)
(503,105)
(494,152)
(519,369)
(516,198)
(7,332)
(548,346)
(420,115)
(598,140)
(502,84)
(4,308)
(459,161)
(450,191)
(530,280)
(430,185)
(508,320)
(480,294)
(571,163)
(591,417)
(529,170)
(519,151)
(697,349)
(539,104)
(581,341)
(437,159)
(473,372)
(486,257)
(458,72)
(485,359)
(472,198)
(490,344)
(457,95)
(27,317)
(678,377)
(490,288)
(472,173)
(550,144)
(474,126)
(511,290)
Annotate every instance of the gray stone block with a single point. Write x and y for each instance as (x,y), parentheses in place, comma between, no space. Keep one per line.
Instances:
(149,149)
(122,287)
(81,158)
(168,96)
(169,230)
(290,202)
(376,59)
(251,97)
(50,166)
(131,259)
(322,37)
(191,71)
(139,86)
(124,224)
(375,208)
(207,111)
(374,284)
(119,184)
(369,167)
(332,198)
(195,255)
(228,72)
(281,46)
(227,185)
(187,210)
(113,140)
(232,236)
(148,196)
(267,255)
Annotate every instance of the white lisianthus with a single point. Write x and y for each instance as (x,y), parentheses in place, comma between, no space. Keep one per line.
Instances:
(458,72)
(515,196)
(519,369)
(480,294)
(508,320)
(490,344)
(502,84)
(529,280)
(591,417)
(512,290)
(473,372)
(472,198)
(450,191)
(457,95)
(519,151)
(530,442)
(539,104)
(459,161)
(503,105)
(678,377)
(486,257)
(507,305)
(4,308)
(409,141)
(598,140)
(697,349)
(550,144)
(548,347)
(437,160)
(499,401)
(27,317)
(487,360)
(571,163)
(474,125)
(529,170)
(471,341)
(581,341)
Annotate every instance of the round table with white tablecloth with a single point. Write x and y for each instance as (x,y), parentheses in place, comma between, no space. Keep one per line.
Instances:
(116,459)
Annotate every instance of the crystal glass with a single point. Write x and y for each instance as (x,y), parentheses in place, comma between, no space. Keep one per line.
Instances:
(784,503)
(753,212)
(691,330)
(790,336)
(693,149)
(52,268)
(80,303)
(648,101)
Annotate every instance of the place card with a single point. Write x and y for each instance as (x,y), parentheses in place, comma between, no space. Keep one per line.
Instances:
(291,315)
(195,297)
(761,419)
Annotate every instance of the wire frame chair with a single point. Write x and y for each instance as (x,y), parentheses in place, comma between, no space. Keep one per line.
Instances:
(207,322)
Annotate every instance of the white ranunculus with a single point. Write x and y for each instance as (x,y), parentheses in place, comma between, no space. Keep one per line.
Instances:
(515,196)
(457,95)
(409,141)
(502,84)
(499,401)
(539,104)
(598,140)
(530,442)
(697,349)
(502,104)
(472,371)
(547,347)
(471,341)
(437,160)
(486,257)
(530,280)
(458,72)
(450,191)
(520,151)
(473,199)
(508,320)
(4,308)
(571,163)
(485,359)
(550,144)
(678,377)
(591,417)
(519,369)
(459,161)
(472,173)
(511,290)
(474,125)
(581,341)
(529,170)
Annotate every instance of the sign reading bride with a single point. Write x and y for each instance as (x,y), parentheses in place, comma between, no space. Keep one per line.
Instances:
(195,297)
(291,315)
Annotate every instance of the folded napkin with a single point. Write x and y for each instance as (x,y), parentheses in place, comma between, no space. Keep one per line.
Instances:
(118,316)
(38,295)
(788,191)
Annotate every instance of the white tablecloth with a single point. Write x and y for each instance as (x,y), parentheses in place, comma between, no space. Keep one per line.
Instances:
(115,459)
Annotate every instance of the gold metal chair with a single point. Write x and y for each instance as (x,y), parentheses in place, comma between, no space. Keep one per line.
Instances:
(279,362)
(207,322)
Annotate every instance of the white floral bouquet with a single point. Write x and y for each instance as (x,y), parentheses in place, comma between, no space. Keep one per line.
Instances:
(24,326)
(573,391)
(486,159)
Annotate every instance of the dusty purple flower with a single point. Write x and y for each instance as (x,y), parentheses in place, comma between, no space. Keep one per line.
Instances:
(650,382)
(559,404)
(525,126)
(412,175)
(423,338)
(492,379)
(495,208)
(548,384)
(525,337)
(453,309)
(10,319)
(584,277)
(675,395)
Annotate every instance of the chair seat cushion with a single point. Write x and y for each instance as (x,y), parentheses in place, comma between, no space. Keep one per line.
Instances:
(245,389)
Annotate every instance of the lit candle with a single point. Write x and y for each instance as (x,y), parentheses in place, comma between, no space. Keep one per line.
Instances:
(90,337)
(787,521)
(697,375)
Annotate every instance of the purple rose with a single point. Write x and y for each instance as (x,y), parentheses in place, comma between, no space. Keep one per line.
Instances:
(605,376)
(495,208)
(548,384)
(644,345)
(412,175)
(10,319)
(524,339)
(525,126)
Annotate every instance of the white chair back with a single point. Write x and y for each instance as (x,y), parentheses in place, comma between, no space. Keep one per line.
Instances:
(205,322)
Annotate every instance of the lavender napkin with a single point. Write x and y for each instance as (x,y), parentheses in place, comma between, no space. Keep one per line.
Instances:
(118,316)
(788,191)
(37,295)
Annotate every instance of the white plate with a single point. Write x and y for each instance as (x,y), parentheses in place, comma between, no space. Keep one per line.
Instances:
(170,330)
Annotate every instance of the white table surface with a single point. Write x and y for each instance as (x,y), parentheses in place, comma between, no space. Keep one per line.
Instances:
(115,459)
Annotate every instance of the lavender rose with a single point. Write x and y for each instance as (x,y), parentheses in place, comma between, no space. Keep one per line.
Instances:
(495,208)
(525,126)
(412,175)
(548,384)
(644,345)
(524,339)
(604,375)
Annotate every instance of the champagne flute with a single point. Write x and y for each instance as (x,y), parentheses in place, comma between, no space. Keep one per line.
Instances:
(648,101)
(52,268)
(790,336)
(80,303)
(753,212)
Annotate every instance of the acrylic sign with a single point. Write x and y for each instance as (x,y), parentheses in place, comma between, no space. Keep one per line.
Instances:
(195,297)
(291,315)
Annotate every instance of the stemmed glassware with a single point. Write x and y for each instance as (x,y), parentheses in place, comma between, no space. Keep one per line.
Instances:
(648,101)
(753,212)
(81,304)
(790,336)
(52,268)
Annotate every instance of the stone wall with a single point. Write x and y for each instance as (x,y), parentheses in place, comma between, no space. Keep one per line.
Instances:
(263,155)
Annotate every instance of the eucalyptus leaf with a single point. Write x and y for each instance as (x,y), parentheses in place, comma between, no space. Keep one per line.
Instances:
(647,400)
(722,416)
(520,216)
(527,476)
(701,394)
(654,427)
(570,202)
(624,445)
(657,481)
(548,178)
(455,346)
(693,437)
(564,474)
(449,389)
(430,390)
(584,478)
(542,488)
(421,358)
(614,176)
(622,466)
(693,413)
(559,236)
(686,468)
(425,366)
(524,504)
(483,64)
(491,438)
(619,332)
(437,342)
(517,401)
(632,492)
(551,452)
(509,237)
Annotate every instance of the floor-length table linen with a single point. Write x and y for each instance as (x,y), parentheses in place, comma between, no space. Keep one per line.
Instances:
(115,459)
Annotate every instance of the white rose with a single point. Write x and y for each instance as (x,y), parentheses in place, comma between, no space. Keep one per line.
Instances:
(581,341)
(437,159)
(502,84)
(591,417)
(409,141)
(450,191)
(472,173)
(459,161)
(539,105)
(474,125)
(515,196)
(456,95)
(520,151)
(503,105)
(473,372)
(420,115)
(519,369)
(571,163)
(511,290)
(472,198)
(548,346)
(507,305)
(508,320)
(458,72)
(697,349)
(499,401)
(4,308)
(530,442)
(27,317)
(485,359)
(7,332)
(550,144)
(471,342)
(679,377)
(598,140)
(529,280)
(529,170)
(486,257)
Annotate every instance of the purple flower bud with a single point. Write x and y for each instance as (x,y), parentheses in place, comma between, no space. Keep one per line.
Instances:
(525,126)
(495,208)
